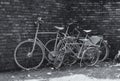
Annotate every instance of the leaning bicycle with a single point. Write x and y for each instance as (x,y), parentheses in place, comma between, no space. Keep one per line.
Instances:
(73,48)
(29,54)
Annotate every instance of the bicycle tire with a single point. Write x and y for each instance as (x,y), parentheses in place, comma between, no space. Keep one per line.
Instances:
(59,60)
(69,58)
(104,51)
(29,62)
(90,56)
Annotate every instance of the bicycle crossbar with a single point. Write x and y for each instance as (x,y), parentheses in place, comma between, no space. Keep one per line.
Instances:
(47,32)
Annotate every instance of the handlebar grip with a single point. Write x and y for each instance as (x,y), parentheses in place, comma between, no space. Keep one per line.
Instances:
(39,19)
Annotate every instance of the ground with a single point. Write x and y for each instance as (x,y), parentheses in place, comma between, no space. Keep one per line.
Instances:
(105,71)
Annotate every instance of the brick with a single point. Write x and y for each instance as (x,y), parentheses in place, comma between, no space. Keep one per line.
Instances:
(6,3)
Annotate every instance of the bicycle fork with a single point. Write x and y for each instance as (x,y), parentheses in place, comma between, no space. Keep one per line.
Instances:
(35,40)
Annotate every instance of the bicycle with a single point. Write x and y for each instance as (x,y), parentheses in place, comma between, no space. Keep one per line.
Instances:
(93,44)
(77,49)
(29,54)
(96,40)
(100,42)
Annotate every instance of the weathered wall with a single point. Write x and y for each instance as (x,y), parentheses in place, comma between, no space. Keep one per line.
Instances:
(17,20)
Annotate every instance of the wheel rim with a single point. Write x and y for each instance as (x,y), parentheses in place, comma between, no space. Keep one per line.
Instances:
(104,51)
(59,60)
(91,56)
(26,61)
(69,57)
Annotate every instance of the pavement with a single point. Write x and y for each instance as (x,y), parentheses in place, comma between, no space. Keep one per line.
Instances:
(106,71)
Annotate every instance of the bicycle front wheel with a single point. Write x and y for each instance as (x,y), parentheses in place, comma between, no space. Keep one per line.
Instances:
(27,60)
(59,60)
(91,56)
(69,57)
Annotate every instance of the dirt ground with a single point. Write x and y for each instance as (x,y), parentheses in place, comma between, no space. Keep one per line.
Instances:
(105,71)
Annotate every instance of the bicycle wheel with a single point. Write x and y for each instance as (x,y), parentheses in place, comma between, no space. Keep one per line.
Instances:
(23,57)
(58,61)
(69,57)
(104,50)
(51,52)
(90,56)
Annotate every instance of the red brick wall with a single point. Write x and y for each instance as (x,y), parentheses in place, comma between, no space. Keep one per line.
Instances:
(17,20)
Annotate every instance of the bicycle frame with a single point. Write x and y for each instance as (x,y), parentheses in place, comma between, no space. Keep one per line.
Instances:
(87,41)
(68,45)
(36,39)
(32,50)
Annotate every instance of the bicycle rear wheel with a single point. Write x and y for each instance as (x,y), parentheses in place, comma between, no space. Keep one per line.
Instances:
(24,59)
(104,50)
(90,56)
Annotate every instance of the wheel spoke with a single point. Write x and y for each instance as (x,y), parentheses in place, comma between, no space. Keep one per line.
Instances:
(51,52)
(69,49)
(91,56)
(27,60)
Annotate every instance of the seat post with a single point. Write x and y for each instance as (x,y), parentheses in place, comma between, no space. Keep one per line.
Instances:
(66,32)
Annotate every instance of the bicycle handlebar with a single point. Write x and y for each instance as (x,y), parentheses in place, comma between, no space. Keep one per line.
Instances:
(39,20)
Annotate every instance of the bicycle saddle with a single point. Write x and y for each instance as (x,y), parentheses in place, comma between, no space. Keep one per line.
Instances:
(59,28)
(87,31)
